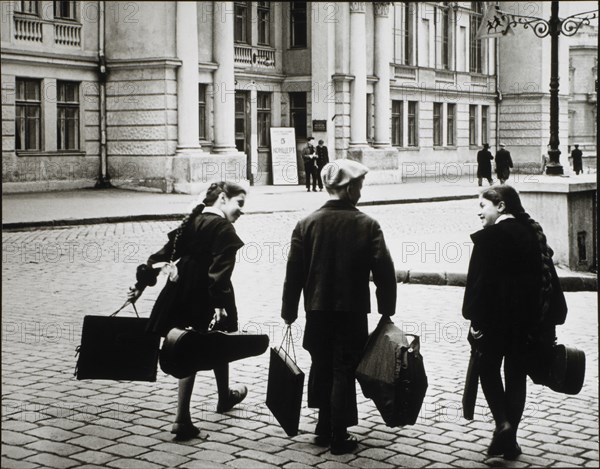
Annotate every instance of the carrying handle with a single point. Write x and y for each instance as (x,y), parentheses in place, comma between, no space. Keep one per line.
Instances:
(125,304)
(289,343)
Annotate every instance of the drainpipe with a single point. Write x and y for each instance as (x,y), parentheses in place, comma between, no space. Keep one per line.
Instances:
(103,180)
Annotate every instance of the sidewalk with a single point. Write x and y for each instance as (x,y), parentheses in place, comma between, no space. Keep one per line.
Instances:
(93,206)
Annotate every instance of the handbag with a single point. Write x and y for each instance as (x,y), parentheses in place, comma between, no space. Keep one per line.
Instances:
(117,348)
(471,385)
(285,385)
(392,374)
(186,351)
(559,367)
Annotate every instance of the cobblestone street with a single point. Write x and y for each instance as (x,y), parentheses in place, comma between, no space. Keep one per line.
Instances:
(53,278)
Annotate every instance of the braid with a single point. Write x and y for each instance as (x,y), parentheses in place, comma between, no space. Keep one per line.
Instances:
(212,193)
(547,263)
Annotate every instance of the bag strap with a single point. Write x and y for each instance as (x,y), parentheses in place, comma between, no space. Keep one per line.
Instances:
(125,304)
(288,342)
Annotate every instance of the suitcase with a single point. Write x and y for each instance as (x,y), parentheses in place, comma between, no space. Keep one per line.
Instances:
(392,373)
(117,348)
(559,367)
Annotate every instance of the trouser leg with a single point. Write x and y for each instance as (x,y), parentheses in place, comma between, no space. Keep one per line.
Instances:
(491,384)
(515,378)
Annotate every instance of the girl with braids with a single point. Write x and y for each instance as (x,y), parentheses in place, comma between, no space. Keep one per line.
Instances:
(514,300)
(199,290)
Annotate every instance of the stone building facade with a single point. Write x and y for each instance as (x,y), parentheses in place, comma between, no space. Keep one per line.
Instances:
(171,95)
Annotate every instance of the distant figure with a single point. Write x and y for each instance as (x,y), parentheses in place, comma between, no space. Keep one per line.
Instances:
(322,160)
(503,163)
(309,156)
(484,164)
(577,155)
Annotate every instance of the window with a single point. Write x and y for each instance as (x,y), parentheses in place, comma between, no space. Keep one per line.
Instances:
(412,124)
(451,119)
(474,43)
(65,10)
(28,113)
(240,26)
(298,113)
(298,24)
(484,124)
(67,115)
(201,111)
(442,37)
(264,23)
(404,33)
(397,123)
(264,118)
(473,125)
(437,124)
(30,8)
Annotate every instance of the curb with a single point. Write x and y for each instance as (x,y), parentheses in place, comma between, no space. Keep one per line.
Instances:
(442,198)
(569,283)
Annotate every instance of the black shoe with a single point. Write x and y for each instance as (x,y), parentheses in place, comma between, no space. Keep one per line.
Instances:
(322,440)
(185,431)
(343,445)
(236,395)
(513,452)
(501,440)
(307,190)
(314,190)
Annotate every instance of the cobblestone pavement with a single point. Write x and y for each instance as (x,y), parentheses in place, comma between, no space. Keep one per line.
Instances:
(52,278)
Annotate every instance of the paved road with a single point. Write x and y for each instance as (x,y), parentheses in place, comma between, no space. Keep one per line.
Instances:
(52,278)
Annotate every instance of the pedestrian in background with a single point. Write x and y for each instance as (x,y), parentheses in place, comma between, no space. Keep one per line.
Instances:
(503,164)
(332,253)
(484,164)
(577,156)
(514,300)
(309,157)
(322,160)
(199,288)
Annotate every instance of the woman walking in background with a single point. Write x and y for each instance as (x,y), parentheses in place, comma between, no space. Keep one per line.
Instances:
(513,299)
(199,289)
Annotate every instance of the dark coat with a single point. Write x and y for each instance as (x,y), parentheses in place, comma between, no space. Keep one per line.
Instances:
(484,164)
(332,253)
(503,163)
(577,156)
(307,156)
(322,156)
(502,294)
(206,251)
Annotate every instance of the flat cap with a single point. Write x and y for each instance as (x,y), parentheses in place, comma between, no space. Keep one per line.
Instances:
(502,145)
(340,172)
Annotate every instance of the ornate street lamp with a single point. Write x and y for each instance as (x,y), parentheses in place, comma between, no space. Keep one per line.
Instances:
(496,22)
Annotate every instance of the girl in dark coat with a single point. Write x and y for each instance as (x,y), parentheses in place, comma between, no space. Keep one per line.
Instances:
(513,299)
(199,289)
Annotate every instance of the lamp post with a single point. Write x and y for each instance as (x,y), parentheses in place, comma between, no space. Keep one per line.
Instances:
(500,22)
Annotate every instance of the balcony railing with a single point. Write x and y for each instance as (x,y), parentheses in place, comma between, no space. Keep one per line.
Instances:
(67,34)
(246,55)
(28,29)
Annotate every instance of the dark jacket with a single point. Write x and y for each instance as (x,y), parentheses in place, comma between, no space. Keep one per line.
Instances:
(502,294)
(308,156)
(332,253)
(206,251)
(484,164)
(503,163)
(322,156)
(577,156)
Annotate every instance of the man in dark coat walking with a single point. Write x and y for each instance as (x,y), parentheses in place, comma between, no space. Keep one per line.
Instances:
(484,164)
(577,156)
(503,163)
(333,252)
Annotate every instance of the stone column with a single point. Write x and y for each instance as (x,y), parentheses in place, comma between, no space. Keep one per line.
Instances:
(224,82)
(187,76)
(358,68)
(382,70)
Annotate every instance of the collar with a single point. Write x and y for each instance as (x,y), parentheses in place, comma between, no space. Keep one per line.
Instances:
(214,211)
(506,216)
(339,204)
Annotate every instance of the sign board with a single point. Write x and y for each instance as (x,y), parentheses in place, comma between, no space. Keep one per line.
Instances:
(283,153)
(319,126)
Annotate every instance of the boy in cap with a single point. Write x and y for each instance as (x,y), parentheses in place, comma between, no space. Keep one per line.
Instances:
(332,253)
